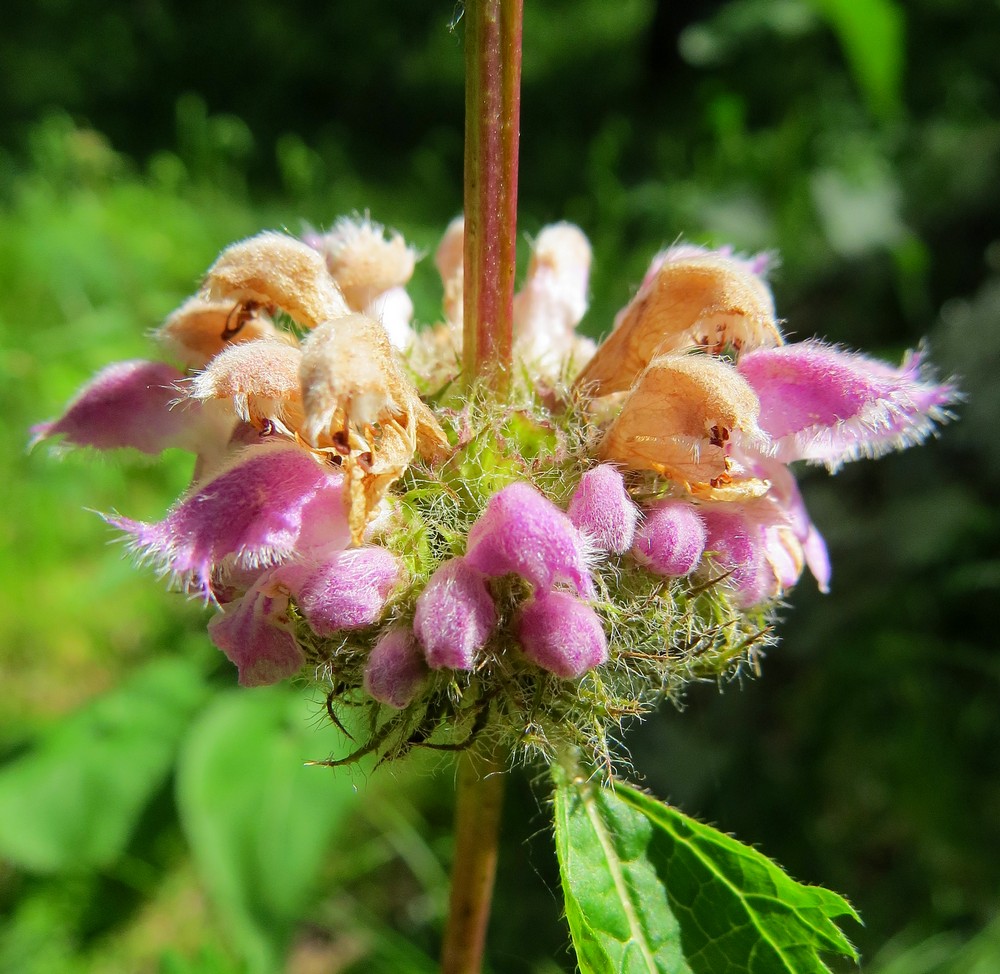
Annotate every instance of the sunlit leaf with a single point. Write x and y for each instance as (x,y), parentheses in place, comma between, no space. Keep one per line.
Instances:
(650,890)
(258,821)
(73,800)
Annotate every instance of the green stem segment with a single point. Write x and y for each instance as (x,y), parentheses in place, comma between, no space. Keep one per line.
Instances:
(492,130)
(478,808)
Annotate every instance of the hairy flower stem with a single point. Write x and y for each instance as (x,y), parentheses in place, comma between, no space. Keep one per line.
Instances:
(478,807)
(492,129)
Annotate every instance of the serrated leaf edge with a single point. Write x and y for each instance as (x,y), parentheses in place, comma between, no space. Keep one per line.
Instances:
(627,794)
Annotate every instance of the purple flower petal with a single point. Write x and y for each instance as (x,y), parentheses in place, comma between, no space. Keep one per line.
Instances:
(255,633)
(345,590)
(562,634)
(602,509)
(128,404)
(455,616)
(671,539)
(830,406)
(521,531)
(272,502)
(395,669)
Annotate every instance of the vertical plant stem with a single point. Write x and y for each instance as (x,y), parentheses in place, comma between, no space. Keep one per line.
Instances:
(492,132)
(478,807)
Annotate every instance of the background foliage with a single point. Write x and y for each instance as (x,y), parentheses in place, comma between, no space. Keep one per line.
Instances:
(860,140)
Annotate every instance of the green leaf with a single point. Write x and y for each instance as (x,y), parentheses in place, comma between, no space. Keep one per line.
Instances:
(871,33)
(73,800)
(258,821)
(650,890)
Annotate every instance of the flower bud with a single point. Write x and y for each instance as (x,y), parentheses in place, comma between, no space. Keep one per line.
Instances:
(521,531)
(395,669)
(671,538)
(602,510)
(738,545)
(562,634)
(455,616)
(346,590)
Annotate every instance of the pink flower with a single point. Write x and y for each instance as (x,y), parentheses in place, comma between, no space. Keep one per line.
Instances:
(562,634)
(671,539)
(396,669)
(342,590)
(455,615)
(521,531)
(135,404)
(255,633)
(829,406)
(253,514)
(602,510)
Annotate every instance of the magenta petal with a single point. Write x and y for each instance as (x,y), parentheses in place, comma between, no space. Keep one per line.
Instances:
(255,633)
(345,590)
(602,509)
(521,531)
(395,669)
(271,502)
(562,634)
(455,616)
(671,539)
(128,404)
(826,405)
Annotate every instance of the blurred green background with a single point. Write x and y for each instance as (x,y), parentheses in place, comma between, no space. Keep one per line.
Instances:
(153,818)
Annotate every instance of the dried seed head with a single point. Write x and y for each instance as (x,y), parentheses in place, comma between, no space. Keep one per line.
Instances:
(363,262)
(679,419)
(199,329)
(707,302)
(273,270)
(261,379)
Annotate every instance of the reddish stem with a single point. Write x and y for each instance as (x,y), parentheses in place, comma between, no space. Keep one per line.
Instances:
(478,807)
(492,130)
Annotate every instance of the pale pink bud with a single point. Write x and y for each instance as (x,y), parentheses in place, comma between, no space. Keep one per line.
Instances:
(602,509)
(455,616)
(523,532)
(129,404)
(671,538)
(255,513)
(255,633)
(395,669)
(562,634)
(345,589)
(826,405)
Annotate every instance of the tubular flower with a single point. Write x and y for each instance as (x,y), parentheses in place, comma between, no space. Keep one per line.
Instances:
(539,569)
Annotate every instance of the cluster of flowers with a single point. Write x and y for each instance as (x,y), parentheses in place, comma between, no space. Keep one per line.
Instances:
(330,499)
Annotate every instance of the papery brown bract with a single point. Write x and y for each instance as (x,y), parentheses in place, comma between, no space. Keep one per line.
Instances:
(275,271)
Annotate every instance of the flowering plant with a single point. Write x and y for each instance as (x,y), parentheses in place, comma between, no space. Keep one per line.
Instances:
(511,547)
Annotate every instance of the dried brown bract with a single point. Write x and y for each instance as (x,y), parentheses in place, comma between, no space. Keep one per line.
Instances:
(274,271)
(707,302)
(260,379)
(365,263)
(199,329)
(360,406)
(679,419)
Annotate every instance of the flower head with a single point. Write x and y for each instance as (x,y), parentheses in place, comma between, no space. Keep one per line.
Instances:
(538,569)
